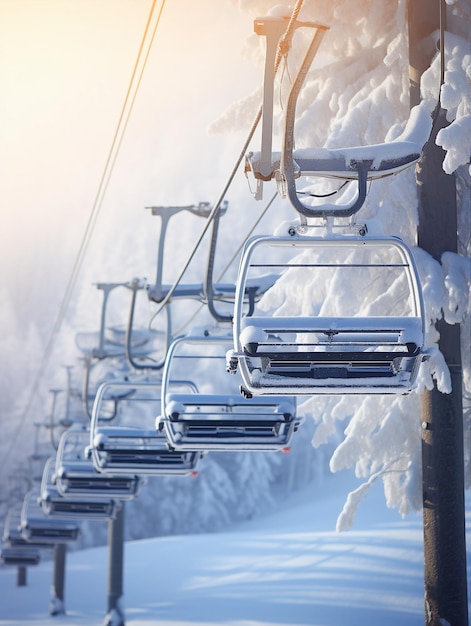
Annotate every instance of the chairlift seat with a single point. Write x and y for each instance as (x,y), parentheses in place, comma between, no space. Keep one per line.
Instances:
(378,160)
(19,556)
(360,352)
(76,475)
(78,507)
(12,537)
(36,526)
(129,449)
(80,478)
(228,422)
(90,483)
(21,542)
(132,449)
(206,421)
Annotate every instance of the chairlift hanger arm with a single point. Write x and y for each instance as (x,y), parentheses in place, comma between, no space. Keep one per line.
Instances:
(107,288)
(203,209)
(86,387)
(278,32)
(209,286)
(287,166)
(52,423)
(207,292)
(135,286)
(252,291)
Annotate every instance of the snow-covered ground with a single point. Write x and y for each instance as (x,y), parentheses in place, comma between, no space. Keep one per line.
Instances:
(290,568)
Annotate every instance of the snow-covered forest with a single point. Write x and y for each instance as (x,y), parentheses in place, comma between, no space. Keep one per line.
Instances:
(355,94)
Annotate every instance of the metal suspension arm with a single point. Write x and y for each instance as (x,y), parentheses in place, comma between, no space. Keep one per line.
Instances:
(128,339)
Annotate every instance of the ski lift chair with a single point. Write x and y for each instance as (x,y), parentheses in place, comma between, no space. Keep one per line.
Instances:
(75,507)
(24,556)
(136,447)
(15,550)
(159,291)
(341,345)
(12,536)
(220,421)
(207,292)
(109,341)
(356,165)
(37,526)
(76,475)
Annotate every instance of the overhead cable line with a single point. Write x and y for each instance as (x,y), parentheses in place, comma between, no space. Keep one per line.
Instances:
(282,50)
(108,169)
(102,187)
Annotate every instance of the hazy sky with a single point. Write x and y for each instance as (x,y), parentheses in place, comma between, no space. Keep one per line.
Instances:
(64,70)
(65,67)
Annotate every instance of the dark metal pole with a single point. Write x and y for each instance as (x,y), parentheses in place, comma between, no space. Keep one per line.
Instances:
(57,603)
(115,615)
(21,576)
(441,414)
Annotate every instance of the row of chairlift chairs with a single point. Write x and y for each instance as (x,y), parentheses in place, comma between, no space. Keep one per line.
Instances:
(280,357)
(163,424)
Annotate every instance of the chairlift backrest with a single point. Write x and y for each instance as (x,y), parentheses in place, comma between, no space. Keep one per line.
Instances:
(357,327)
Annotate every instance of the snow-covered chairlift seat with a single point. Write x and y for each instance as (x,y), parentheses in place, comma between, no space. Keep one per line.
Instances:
(19,556)
(80,507)
(77,506)
(356,163)
(330,354)
(76,475)
(121,448)
(15,549)
(132,448)
(228,422)
(207,421)
(36,525)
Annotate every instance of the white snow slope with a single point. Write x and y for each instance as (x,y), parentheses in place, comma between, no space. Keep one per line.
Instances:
(291,568)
